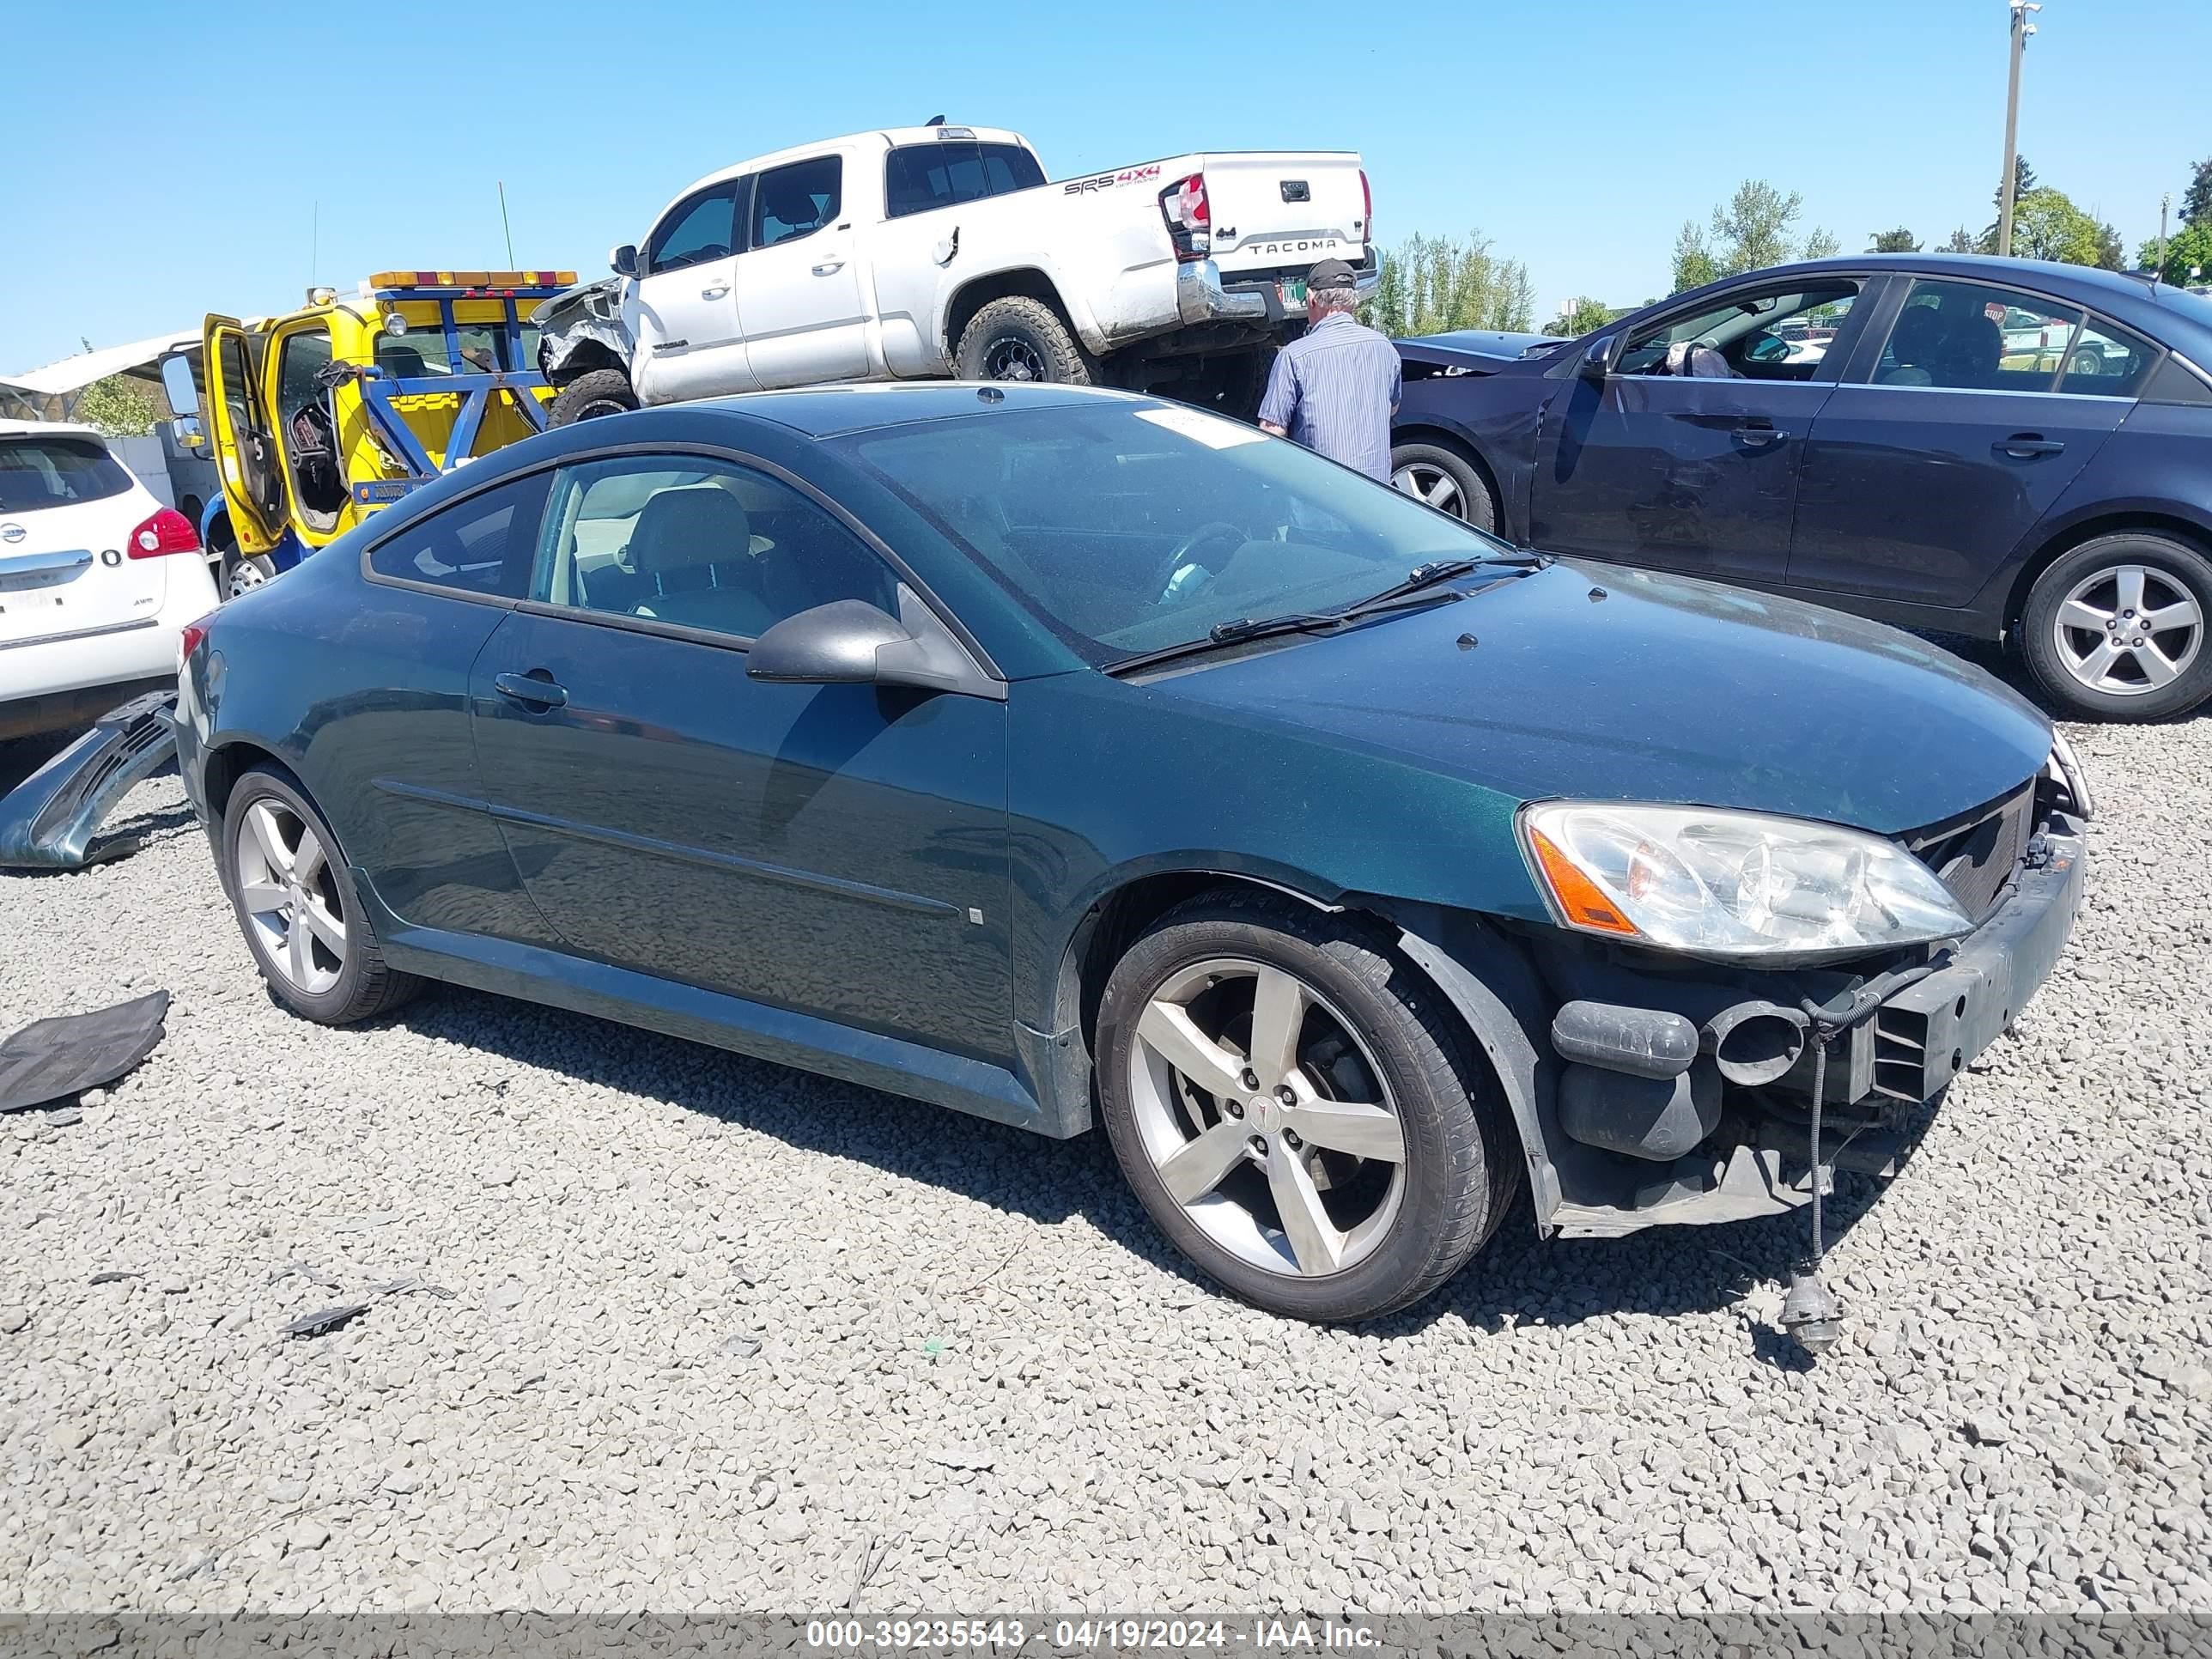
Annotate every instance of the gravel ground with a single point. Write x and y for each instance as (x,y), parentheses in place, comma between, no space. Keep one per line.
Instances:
(723,1335)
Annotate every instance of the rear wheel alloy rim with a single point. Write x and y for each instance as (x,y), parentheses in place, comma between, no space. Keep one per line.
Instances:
(1427,482)
(1266,1119)
(244,576)
(1010,357)
(2128,630)
(290,894)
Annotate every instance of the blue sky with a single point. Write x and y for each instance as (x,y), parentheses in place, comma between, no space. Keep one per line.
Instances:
(164,160)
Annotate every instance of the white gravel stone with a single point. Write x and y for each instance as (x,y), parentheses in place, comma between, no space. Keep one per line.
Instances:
(976,1353)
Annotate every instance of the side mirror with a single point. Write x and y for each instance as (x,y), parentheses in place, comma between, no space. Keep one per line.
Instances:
(176,384)
(1604,352)
(624,259)
(851,642)
(185,432)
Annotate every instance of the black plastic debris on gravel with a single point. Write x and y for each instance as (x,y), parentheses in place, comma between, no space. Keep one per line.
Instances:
(324,1320)
(51,1060)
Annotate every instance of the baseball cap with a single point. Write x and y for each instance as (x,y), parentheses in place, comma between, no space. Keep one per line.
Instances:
(1330,273)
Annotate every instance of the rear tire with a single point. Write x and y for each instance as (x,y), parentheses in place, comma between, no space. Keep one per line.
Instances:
(1018,338)
(1446,480)
(588,396)
(1398,1220)
(2084,637)
(271,833)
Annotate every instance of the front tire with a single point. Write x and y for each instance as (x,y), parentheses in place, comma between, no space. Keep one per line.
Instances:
(1296,1111)
(1018,339)
(588,396)
(243,572)
(299,909)
(1446,480)
(2116,629)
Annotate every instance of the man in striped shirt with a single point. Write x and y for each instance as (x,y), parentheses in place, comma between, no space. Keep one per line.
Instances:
(1334,388)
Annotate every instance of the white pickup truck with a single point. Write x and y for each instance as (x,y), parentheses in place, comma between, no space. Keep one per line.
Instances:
(922,253)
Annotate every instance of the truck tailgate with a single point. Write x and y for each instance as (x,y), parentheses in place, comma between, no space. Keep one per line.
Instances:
(1275,210)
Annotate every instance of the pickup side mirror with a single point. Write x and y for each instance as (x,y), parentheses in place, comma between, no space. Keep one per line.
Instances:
(1598,361)
(624,259)
(176,384)
(852,642)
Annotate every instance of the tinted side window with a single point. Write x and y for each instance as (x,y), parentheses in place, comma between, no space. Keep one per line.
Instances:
(703,228)
(481,545)
(1774,336)
(700,543)
(920,177)
(798,200)
(1972,336)
(2106,361)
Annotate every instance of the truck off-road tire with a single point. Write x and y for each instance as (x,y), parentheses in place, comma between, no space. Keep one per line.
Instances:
(1018,338)
(1446,480)
(602,391)
(1296,1109)
(297,905)
(2120,628)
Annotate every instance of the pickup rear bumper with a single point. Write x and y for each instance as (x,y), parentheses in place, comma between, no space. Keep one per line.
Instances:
(1202,295)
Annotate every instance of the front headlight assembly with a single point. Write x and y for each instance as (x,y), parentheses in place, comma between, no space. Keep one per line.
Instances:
(1739,885)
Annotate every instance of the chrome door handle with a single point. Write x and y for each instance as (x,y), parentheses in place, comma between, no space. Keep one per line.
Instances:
(829,267)
(2025,445)
(531,690)
(715,292)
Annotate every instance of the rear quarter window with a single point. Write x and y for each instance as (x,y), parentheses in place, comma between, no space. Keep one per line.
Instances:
(36,472)
(484,545)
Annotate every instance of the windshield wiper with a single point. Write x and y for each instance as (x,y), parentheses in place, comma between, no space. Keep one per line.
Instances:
(1444,570)
(1295,621)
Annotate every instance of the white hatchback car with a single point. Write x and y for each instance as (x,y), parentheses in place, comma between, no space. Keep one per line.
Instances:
(92,602)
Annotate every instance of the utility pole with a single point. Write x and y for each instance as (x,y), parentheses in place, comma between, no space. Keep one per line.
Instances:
(2165,202)
(2021,28)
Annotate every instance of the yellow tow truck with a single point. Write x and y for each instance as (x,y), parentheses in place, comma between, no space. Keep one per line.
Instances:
(319,417)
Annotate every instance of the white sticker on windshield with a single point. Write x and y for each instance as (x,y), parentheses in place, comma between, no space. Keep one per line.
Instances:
(1209,430)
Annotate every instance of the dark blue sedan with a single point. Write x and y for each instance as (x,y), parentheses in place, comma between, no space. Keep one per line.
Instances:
(1994,448)
(1039,751)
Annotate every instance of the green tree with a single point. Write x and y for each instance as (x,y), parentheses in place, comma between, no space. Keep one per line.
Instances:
(1748,232)
(2196,200)
(2046,225)
(1899,240)
(1694,265)
(2023,183)
(1752,228)
(1431,284)
(1579,316)
(1962,241)
(119,407)
(2190,246)
(2112,252)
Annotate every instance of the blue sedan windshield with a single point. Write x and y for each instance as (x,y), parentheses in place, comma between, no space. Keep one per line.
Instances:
(1129,527)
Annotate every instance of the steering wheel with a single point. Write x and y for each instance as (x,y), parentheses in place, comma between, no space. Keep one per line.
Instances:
(1213,530)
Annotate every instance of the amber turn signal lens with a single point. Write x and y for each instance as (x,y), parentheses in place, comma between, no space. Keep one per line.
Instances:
(1578,897)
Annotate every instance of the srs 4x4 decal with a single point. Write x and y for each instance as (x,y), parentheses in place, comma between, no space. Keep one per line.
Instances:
(1107,181)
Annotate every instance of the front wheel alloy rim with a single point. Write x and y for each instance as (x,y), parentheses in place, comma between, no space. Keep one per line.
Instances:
(2128,630)
(1427,482)
(245,576)
(1266,1119)
(290,894)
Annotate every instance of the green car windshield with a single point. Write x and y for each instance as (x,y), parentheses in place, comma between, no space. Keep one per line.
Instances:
(1129,527)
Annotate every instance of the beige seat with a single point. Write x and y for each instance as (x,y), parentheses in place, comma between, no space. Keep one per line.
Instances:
(692,550)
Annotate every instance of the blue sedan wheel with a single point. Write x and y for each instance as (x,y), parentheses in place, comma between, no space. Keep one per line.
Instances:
(1294,1116)
(2116,629)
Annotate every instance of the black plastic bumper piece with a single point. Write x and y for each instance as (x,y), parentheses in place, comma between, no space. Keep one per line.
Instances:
(47,821)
